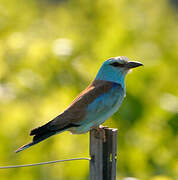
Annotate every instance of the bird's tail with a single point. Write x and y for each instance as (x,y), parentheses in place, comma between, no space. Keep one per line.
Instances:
(36,139)
(42,133)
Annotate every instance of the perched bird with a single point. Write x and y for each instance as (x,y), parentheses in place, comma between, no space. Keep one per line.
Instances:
(92,106)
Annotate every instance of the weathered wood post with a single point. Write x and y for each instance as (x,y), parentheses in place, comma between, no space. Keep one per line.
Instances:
(103,153)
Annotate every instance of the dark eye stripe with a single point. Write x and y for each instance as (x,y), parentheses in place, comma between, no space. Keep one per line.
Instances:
(116,64)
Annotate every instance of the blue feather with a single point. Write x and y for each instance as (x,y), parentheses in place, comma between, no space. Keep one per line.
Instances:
(102,108)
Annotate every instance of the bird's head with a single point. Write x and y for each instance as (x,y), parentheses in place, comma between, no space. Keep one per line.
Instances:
(120,63)
(115,69)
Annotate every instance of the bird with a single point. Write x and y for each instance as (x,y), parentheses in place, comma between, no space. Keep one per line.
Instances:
(93,106)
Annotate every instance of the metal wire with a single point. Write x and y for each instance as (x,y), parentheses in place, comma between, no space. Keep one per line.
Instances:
(43,163)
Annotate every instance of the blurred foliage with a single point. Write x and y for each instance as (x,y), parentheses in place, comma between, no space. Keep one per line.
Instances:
(51,49)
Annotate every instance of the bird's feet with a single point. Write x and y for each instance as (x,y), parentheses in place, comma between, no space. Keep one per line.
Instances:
(98,130)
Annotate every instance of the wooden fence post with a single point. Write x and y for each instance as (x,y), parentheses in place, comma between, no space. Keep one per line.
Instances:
(103,153)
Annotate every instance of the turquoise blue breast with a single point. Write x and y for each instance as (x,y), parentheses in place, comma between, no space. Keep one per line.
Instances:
(102,108)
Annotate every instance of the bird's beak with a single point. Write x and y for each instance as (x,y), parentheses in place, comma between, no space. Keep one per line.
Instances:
(133,64)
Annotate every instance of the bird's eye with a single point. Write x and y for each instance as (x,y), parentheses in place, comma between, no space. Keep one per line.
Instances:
(116,64)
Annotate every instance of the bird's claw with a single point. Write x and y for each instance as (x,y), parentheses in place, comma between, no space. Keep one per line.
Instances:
(99,129)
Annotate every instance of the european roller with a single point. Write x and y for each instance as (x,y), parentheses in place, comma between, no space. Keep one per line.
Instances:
(93,106)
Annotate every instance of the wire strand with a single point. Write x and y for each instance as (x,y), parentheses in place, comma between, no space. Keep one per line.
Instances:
(43,163)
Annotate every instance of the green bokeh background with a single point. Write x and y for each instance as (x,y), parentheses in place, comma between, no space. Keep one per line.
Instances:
(51,49)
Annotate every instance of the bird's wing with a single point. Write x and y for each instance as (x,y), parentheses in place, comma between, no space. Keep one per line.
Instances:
(97,97)
(77,110)
(104,105)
